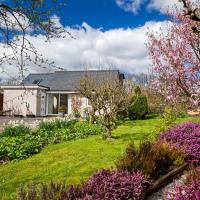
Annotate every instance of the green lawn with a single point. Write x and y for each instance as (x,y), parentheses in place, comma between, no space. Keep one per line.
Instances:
(74,161)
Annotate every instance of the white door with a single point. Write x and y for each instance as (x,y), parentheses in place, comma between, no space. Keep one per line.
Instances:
(43,104)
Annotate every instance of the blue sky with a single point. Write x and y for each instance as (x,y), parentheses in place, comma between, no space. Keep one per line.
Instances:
(109,33)
(106,14)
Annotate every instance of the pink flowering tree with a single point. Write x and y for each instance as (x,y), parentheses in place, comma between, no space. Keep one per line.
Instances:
(176,59)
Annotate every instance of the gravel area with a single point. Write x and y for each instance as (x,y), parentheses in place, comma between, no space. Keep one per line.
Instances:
(169,188)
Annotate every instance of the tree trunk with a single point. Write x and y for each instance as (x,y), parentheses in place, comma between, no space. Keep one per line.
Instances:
(109,131)
(92,116)
(92,119)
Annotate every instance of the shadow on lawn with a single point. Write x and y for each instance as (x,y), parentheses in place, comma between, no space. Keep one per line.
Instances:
(134,137)
(137,130)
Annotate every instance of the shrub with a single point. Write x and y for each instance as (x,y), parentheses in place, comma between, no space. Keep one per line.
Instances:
(84,129)
(138,108)
(17,130)
(18,147)
(168,121)
(169,117)
(189,190)
(103,185)
(56,124)
(151,159)
(108,184)
(185,135)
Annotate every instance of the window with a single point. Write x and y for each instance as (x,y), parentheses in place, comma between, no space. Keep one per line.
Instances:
(55,101)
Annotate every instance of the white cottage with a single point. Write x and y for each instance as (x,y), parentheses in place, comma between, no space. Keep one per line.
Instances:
(43,94)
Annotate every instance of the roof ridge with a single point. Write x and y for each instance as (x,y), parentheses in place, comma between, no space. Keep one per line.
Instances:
(39,73)
(105,70)
(88,70)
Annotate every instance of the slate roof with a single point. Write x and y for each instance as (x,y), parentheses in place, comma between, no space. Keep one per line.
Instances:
(66,80)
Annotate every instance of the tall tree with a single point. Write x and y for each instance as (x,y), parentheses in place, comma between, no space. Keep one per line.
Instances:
(18,20)
(176,59)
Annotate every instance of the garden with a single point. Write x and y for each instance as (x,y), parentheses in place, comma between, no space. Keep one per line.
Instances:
(132,142)
(68,152)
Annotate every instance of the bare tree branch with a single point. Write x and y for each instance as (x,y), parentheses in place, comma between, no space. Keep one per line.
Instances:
(107,95)
(20,18)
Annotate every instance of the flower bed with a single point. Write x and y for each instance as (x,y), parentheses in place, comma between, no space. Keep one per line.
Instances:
(139,172)
(187,136)
(103,185)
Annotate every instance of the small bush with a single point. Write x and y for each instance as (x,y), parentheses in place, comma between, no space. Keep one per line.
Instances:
(138,108)
(17,130)
(103,185)
(186,135)
(167,121)
(169,117)
(154,160)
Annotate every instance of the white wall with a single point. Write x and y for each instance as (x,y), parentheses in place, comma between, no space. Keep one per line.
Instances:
(21,101)
(28,102)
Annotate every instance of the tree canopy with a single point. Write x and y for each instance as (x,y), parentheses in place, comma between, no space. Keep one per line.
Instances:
(176,57)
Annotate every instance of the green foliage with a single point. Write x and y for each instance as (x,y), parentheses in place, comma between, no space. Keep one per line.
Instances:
(50,191)
(138,109)
(18,147)
(17,130)
(154,160)
(77,114)
(19,142)
(137,90)
(83,129)
(181,115)
(56,124)
(168,120)
(79,130)
(67,161)
(169,117)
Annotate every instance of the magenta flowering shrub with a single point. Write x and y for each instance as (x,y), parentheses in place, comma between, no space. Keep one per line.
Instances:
(188,191)
(116,185)
(187,136)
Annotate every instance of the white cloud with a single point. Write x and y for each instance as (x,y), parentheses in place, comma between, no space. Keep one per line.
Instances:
(164,5)
(130,5)
(15,22)
(123,48)
(160,5)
